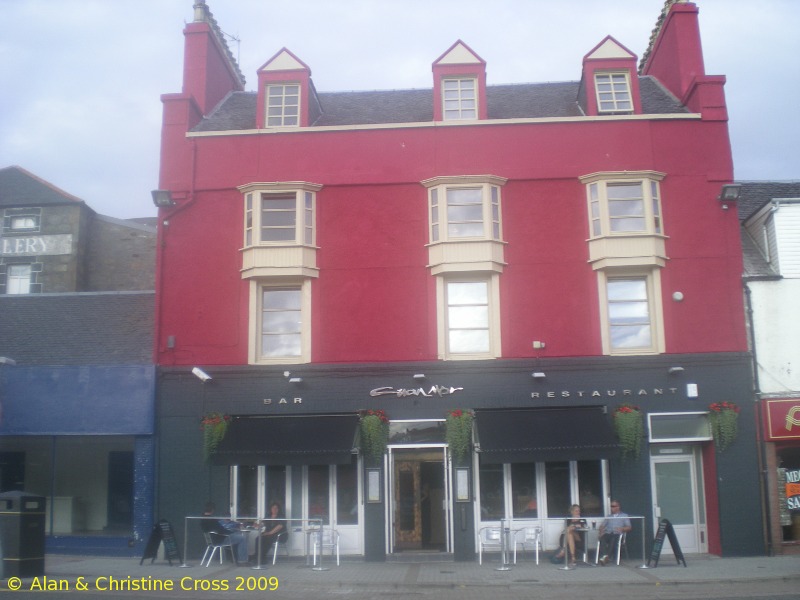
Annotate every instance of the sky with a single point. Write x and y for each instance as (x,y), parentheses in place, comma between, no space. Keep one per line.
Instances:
(81,80)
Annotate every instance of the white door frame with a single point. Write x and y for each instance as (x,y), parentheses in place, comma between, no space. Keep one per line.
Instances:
(389,492)
(699,536)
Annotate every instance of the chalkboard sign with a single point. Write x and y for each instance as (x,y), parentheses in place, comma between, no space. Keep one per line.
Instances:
(162,532)
(665,529)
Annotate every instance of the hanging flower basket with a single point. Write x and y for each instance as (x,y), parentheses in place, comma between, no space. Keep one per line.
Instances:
(458,432)
(629,427)
(374,427)
(724,417)
(214,426)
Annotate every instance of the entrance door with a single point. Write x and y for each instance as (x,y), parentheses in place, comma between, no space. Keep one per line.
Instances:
(419,500)
(675,494)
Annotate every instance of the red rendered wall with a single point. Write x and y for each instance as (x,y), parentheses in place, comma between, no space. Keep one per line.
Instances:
(375,299)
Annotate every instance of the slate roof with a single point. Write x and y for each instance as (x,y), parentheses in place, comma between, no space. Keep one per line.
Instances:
(18,187)
(754,264)
(514,101)
(114,328)
(755,194)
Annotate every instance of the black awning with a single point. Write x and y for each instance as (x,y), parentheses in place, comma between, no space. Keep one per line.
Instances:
(546,434)
(312,440)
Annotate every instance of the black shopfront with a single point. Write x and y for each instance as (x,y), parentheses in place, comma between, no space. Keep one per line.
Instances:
(543,438)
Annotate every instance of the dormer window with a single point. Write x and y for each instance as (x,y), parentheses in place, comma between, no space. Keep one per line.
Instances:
(459,85)
(283,105)
(609,84)
(460,99)
(285,92)
(613,93)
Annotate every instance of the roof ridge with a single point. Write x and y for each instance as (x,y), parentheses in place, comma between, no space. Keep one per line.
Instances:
(45,183)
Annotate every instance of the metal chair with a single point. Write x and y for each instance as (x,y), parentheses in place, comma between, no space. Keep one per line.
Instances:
(618,544)
(328,539)
(489,538)
(216,542)
(528,537)
(280,541)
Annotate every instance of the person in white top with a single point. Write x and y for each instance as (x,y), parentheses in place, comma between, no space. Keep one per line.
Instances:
(611,531)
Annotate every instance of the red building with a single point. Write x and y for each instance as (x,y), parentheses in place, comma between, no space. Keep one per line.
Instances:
(540,254)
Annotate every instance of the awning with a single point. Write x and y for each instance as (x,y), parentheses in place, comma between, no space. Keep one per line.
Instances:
(546,434)
(311,440)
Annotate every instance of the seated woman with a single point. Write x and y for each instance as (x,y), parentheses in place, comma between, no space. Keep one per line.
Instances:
(572,534)
(273,530)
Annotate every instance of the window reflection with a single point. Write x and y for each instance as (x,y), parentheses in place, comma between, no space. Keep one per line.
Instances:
(523,490)
(347,494)
(590,486)
(492,492)
(318,492)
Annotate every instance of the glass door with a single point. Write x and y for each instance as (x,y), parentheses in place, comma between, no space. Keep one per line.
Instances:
(419,500)
(676,498)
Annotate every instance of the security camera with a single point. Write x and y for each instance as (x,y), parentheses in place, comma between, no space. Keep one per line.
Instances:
(201,375)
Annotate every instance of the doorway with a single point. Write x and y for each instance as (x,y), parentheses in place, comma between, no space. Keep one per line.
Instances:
(419,500)
(678,496)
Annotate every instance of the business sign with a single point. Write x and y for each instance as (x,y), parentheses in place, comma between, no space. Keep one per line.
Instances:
(793,489)
(39,245)
(782,419)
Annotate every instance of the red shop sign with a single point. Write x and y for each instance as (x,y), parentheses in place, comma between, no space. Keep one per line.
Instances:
(782,419)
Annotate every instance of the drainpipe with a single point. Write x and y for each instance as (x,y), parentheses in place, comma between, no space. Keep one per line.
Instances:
(760,442)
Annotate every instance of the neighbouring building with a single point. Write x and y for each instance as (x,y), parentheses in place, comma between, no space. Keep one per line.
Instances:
(770,215)
(77,381)
(539,254)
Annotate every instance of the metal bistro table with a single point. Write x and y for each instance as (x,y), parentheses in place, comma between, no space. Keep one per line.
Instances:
(595,531)
(315,524)
(588,532)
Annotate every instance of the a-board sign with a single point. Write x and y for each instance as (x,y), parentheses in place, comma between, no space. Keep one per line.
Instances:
(162,532)
(665,530)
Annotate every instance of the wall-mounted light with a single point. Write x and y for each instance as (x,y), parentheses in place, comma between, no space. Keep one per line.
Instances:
(4,360)
(295,380)
(201,375)
(730,192)
(677,296)
(419,376)
(538,375)
(162,198)
(675,370)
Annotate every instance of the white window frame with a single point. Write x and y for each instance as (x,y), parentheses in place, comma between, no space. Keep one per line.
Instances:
(18,279)
(659,440)
(492,282)
(652,279)
(613,88)
(457,103)
(490,189)
(601,219)
(257,289)
(305,210)
(285,114)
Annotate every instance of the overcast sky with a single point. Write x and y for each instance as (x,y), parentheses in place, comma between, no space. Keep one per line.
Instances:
(81,80)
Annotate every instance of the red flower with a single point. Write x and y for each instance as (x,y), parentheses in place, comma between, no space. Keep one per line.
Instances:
(720,406)
(375,413)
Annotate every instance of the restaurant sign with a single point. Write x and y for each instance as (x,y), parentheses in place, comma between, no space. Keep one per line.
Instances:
(782,419)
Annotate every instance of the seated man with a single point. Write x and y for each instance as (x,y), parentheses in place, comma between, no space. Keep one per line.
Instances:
(611,531)
(232,529)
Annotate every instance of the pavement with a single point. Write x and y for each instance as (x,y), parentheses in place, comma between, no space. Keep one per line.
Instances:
(426,572)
